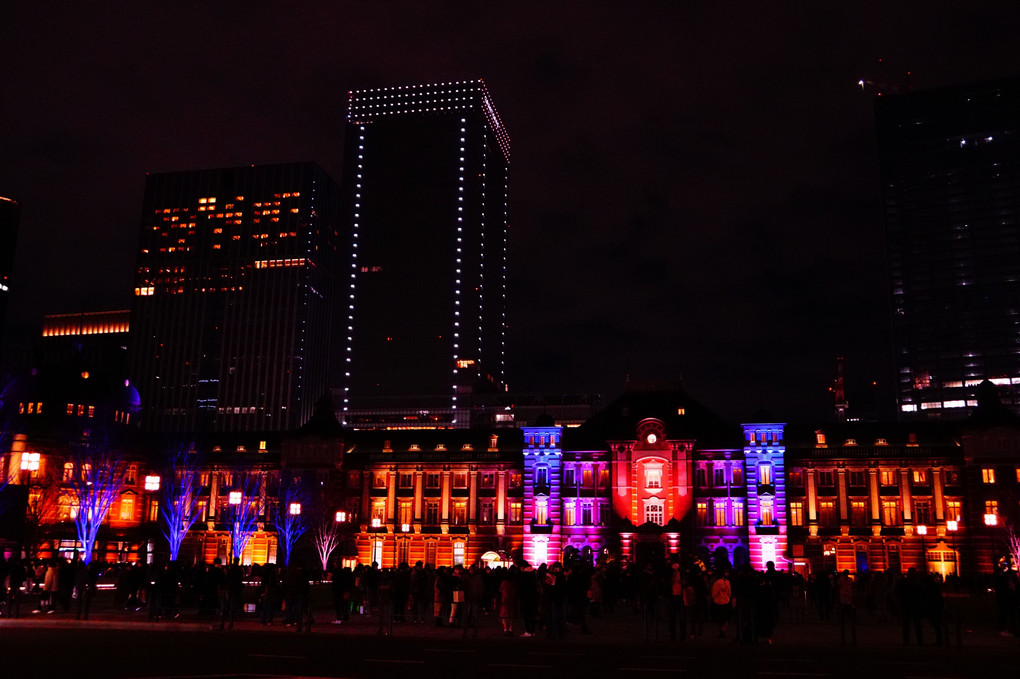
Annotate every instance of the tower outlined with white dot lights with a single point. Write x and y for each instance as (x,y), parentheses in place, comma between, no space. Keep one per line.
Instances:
(10,211)
(426,209)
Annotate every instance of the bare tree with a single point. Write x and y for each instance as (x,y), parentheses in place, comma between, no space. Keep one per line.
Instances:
(243,509)
(326,537)
(1013,544)
(291,523)
(181,486)
(95,482)
(42,511)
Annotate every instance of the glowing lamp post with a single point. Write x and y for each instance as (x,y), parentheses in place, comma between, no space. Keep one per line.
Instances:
(952,525)
(152,483)
(235,500)
(294,509)
(922,531)
(341,517)
(376,522)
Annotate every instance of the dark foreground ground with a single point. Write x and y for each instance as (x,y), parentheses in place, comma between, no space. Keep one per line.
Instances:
(125,643)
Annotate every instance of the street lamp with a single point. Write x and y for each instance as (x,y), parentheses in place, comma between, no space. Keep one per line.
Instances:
(294,509)
(341,517)
(952,525)
(922,531)
(991,519)
(152,483)
(235,500)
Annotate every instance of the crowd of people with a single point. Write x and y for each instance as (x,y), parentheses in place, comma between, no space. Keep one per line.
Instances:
(676,601)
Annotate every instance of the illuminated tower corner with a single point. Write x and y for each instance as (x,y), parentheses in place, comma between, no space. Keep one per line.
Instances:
(543,459)
(764,454)
(10,211)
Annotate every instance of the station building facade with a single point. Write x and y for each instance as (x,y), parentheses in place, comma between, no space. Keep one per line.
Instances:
(655,475)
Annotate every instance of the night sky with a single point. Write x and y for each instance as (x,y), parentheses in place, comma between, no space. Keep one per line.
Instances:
(694,188)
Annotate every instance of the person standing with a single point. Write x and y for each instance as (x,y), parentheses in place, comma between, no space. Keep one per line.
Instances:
(722,601)
(508,602)
(677,609)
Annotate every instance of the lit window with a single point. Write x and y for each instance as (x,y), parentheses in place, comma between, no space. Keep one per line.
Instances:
(797,513)
(127,508)
(541,512)
(988,475)
(458,553)
(827,513)
(568,514)
(891,513)
(920,476)
(765,475)
(992,507)
(516,514)
(720,512)
(954,510)
(702,513)
(738,513)
(653,514)
(766,517)
(459,517)
(858,513)
(887,477)
(653,478)
(30,462)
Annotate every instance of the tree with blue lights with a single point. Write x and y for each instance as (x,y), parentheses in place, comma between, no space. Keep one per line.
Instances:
(291,523)
(181,489)
(95,480)
(244,506)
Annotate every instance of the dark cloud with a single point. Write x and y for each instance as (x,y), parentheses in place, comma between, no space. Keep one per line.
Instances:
(694,185)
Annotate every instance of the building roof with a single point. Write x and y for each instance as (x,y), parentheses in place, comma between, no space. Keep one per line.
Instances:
(682,416)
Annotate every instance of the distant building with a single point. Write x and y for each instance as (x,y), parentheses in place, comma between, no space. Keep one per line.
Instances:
(950,165)
(426,204)
(10,213)
(234,297)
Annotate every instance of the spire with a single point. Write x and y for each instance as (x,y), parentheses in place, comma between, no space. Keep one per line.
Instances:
(838,390)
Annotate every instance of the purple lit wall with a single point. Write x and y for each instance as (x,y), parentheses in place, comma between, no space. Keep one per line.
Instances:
(765,452)
(543,465)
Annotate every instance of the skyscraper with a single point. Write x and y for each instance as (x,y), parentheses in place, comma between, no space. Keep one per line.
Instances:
(950,163)
(231,325)
(425,190)
(10,211)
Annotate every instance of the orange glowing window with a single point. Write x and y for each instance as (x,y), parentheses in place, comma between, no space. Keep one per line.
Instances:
(217,230)
(216,246)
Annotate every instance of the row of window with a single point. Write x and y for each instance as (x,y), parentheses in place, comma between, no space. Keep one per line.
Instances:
(859,478)
(725,512)
(434,480)
(431,512)
(860,512)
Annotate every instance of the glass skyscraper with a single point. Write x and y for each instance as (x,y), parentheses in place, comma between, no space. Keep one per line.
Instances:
(950,163)
(234,297)
(425,191)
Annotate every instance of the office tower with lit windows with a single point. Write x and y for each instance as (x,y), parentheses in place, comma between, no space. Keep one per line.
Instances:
(950,165)
(10,212)
(233,306)
(425,201)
